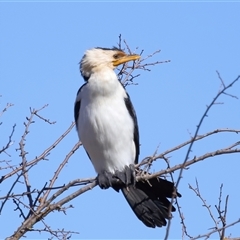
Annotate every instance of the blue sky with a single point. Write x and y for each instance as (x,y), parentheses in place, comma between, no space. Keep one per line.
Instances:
(41,45)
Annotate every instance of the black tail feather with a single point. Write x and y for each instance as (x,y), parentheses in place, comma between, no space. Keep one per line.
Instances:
(148,200)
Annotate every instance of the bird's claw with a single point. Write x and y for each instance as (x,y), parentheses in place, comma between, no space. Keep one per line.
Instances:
(127,176)
(105,180)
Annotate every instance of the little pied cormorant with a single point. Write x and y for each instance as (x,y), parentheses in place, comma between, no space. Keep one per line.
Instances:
(107,127)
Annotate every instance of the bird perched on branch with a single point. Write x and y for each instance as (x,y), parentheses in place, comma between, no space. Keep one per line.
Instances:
(107,125)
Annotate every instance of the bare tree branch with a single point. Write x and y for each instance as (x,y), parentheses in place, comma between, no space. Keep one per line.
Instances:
(42,156)
(77,145)
(47,207)
(9,192)
(6,108)
(208,207)
(200,123)
(207,235)
(193,141)
(199,137)
(9,143)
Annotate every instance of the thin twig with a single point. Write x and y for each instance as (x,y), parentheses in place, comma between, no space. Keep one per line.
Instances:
(208,207)
(224,218)
(9,192)
(42,155)
(6,108)
(207,235)
(9,140)
(56,174)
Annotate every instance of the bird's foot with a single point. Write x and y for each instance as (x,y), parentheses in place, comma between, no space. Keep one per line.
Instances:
(105,180)
(127,176)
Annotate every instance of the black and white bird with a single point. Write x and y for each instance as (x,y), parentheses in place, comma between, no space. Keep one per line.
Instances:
(107,126)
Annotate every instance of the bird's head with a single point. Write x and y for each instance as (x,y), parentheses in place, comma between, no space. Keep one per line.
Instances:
(97,59)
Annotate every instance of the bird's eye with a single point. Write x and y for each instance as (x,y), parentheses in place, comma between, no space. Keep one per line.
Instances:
(116,56)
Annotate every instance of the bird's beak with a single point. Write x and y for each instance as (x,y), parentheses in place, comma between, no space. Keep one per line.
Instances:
(125,59)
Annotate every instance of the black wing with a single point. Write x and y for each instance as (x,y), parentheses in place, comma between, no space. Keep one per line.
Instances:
(132,113)
(76,112)
(77,106)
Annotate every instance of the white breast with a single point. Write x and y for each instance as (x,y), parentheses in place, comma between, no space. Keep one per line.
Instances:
(105,126)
